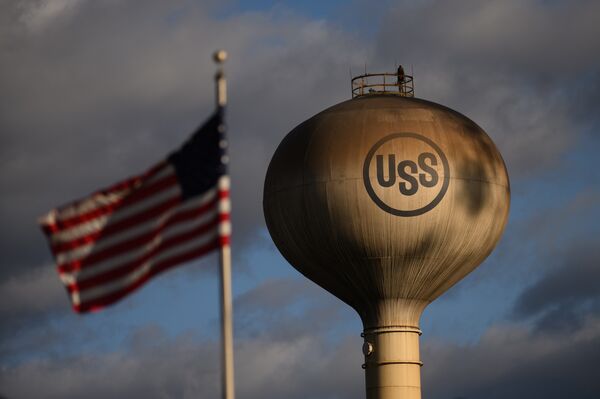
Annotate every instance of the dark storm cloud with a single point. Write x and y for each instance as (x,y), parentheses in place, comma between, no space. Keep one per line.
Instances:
(520,69)
(91,96)
(562,298)
(79,111)
(512,362)
(549,345)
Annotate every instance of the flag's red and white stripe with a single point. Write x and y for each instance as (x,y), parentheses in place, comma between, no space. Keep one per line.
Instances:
(112,242)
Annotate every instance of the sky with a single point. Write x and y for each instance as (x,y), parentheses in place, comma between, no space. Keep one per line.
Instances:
(92,92)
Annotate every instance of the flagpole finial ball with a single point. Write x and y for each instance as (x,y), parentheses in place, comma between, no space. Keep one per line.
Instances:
(220,56)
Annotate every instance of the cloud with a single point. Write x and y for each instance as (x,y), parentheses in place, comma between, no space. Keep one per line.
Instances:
(548,346)
(506,65)
(512,361)
(37,15)
(151,364)
(274,295)
(186,368)
(137,372)
(35,291)
(277,305)
(505,34)
(562,298)
(85,109)
(95,97)
(92,94)
(29,301)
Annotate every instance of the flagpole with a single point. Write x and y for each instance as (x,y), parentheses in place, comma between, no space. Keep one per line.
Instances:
(228,390)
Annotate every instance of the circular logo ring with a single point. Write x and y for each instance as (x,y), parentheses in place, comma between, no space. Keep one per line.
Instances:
(386,207)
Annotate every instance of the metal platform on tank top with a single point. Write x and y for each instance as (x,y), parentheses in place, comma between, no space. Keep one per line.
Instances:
(383,83)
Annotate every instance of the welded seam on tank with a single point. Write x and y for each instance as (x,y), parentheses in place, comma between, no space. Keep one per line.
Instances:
(392,329)
(375,363)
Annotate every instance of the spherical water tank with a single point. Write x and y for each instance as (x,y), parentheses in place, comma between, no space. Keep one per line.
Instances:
(386,202)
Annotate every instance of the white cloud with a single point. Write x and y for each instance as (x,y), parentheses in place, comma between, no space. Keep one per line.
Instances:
(37,15)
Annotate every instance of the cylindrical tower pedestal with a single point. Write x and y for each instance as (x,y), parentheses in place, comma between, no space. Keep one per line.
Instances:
(392,365)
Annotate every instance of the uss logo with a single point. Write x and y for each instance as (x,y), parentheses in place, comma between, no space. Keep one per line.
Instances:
(406,174)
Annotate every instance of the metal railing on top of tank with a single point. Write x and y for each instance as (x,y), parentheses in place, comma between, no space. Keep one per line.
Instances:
(398,84)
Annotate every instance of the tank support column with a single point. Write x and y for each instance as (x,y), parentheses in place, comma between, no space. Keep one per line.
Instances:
(392,365)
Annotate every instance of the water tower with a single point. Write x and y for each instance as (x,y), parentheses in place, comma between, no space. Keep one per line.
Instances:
(386,201)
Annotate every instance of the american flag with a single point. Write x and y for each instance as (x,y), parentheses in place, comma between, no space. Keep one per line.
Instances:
(112,242)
